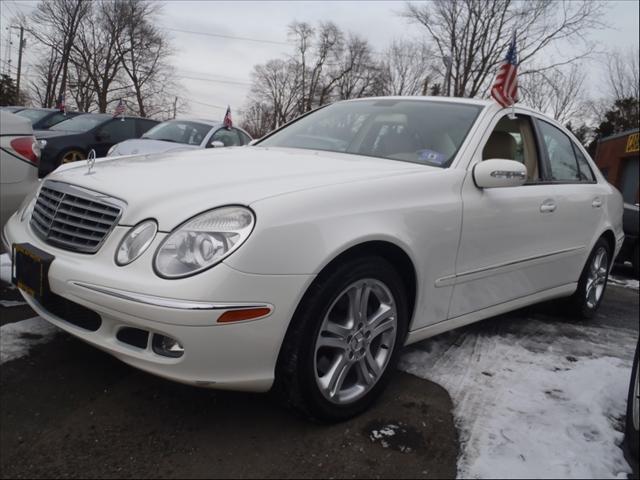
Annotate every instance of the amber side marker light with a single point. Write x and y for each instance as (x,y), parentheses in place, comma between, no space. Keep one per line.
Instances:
(244,314)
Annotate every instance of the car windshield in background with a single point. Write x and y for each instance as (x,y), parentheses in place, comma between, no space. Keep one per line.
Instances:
(190,133)
(81,123)
(34,115)
(409,130)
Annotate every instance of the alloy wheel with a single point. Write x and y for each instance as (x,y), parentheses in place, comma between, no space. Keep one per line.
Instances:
(72,156)
(355,341)
(597,277)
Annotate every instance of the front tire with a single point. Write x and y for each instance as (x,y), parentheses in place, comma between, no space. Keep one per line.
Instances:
(344,341)
(593,281)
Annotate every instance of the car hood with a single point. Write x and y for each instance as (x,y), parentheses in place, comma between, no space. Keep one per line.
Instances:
(172,187)
(143,146)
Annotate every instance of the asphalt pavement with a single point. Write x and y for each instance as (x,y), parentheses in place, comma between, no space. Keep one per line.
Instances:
(70,410)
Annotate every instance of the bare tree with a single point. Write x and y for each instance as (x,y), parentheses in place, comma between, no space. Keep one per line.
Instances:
(47,74)
(55,24)
(257,119)
(474,34)
(623,71)
(276,84)
(360,74)
(555,92)
(318,51)
(144,51)
(95,50)
(407,68)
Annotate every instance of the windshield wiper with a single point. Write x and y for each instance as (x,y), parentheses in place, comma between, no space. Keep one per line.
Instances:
(163,139)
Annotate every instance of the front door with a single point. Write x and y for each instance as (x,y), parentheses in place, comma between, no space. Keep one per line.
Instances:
(508,245)
(115,131)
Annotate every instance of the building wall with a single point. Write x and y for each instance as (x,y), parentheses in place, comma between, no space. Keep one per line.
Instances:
(614,156)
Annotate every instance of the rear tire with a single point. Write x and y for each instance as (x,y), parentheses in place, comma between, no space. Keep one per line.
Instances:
(71,156)
(593,281)
(340,350)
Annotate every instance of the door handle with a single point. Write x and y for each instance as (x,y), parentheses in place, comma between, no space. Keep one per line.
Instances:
(597,202)
(548,206)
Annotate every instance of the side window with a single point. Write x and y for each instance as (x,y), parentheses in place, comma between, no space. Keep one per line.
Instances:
(562,160)
(55,118)
(229,138)
(513,139)
(119,130)
(144,126)
(244,138)
(586,174)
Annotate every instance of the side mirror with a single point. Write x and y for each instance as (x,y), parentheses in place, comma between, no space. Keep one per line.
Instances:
(497,172)
(216,144)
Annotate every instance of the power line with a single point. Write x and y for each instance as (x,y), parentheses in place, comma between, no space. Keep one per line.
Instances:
(215,80)
(230,37)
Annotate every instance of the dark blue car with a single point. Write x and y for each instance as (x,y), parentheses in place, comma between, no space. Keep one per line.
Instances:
(73,139)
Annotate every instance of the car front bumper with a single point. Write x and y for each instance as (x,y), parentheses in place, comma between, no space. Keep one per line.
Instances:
(236,356)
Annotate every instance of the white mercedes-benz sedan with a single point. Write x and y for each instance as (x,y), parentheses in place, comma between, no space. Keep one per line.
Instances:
(304,263)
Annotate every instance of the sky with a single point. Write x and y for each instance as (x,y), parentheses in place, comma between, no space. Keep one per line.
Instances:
(215,70)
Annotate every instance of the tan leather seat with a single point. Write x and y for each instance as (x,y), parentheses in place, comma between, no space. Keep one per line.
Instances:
(500,145)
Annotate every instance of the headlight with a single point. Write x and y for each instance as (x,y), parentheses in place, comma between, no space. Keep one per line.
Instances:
(203,241)
(111,150)
(135,242)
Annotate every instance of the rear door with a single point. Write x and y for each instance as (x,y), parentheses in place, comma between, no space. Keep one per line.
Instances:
(580,200)
(509,246)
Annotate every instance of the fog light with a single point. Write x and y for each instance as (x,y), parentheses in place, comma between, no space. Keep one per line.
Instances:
(167,346)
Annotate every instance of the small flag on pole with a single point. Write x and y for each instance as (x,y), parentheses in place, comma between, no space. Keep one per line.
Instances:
(120,109)
(60,103)
(228,123)
(505,87)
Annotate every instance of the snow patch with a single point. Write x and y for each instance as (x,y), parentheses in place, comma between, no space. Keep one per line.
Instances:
(16,339)
(5,268)
(624,282)
(533,399)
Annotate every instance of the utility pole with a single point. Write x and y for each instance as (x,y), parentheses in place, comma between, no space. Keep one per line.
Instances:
(20,47)
(175,104)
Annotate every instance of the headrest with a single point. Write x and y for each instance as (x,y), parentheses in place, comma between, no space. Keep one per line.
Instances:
(500,145)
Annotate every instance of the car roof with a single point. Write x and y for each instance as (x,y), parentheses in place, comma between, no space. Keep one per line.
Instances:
(107,116)
(206,121)
(467,101)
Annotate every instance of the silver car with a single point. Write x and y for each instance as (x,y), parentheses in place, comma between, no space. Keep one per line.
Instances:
(182,135)
(19,158)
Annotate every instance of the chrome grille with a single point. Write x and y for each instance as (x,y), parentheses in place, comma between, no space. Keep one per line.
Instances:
(74,218)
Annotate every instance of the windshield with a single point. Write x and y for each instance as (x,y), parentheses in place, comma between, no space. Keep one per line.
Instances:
(34,115)
(179,131)
(409,130)
(81,123)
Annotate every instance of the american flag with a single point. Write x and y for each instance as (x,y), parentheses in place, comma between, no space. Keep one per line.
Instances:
(505,87)
(227,118)
(60,103)
(120,109)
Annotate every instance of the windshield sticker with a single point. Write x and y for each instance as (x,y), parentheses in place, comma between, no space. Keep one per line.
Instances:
(432,156)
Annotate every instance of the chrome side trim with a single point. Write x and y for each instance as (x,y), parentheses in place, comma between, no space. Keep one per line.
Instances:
(505,267)
(168,302)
